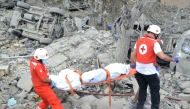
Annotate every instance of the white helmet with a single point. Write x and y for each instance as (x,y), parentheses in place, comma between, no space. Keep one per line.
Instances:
(154,29)
(41,53)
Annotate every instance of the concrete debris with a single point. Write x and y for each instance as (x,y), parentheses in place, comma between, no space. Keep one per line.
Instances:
(4,69)
(184,105)
(25,82)
(185,85)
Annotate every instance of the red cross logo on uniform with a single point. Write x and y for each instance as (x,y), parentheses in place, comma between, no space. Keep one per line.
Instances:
(142,49)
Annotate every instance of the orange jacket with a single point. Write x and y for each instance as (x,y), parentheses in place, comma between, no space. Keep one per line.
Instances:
(145,50)
(38,72)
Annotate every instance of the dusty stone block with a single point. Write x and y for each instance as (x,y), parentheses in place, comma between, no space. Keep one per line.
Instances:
(186,91)
(185,85)
(73,99)
(88,99)
(67,105)
(167,76)
(184,96)
(56,60)
(25,82)
(20,60)
(4,69)
(163,92)
(85,106)
(184,104)
(6,97)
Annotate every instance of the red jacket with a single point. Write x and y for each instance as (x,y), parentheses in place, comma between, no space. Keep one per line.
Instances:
(38,72)
(145,50)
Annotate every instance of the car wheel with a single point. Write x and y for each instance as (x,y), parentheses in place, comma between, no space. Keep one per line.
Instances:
(45,41)
(56,11)
(17,32)
(23,5)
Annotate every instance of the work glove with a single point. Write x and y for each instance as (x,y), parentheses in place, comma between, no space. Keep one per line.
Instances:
(157,68)
(133,66)
(52,83)
(160,42)
(176,59)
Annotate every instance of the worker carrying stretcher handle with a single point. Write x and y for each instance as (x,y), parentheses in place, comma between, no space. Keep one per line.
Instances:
(41,81)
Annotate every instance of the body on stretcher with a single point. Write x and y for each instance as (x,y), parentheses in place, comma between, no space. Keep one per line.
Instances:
(70,78)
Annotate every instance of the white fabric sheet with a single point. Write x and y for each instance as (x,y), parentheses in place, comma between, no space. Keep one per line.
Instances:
(94,76)
(61,83)
(115,69)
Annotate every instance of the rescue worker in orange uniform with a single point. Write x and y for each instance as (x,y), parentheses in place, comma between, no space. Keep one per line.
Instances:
(41,82)
(144,60)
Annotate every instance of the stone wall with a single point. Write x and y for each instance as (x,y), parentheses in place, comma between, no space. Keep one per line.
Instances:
(179,3)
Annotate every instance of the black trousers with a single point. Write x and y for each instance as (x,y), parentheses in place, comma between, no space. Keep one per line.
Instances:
(154,83)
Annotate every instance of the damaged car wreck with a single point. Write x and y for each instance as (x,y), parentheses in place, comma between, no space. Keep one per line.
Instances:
(182,50)
(75,4)
(8,4)
(37,23)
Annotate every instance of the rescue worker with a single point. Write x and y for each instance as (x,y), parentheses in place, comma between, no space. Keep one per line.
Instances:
(41,82)
(133,103)
(144,55)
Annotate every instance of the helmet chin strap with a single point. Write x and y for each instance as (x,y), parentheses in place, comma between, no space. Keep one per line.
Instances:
(156,36)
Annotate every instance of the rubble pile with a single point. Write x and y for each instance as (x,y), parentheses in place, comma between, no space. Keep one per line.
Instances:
(83,50)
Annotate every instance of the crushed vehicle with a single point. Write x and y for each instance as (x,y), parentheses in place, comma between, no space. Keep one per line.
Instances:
(8,4)
(75,4)
(182,50)
(43,25)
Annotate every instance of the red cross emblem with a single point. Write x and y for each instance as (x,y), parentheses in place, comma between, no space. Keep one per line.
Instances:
(142,48)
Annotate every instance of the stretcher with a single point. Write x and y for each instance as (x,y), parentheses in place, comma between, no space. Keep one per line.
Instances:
(73,79)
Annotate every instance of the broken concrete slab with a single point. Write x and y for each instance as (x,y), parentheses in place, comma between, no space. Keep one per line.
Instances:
(56,60)
(78,23)
(184,96)
(184,105)
(25,82)
(4,69)
(103,103)
(185,85)
(105,57)
(186,91)
(85,106)
(73,99)
(83,50)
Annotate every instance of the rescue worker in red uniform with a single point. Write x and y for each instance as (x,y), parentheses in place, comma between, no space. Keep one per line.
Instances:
(144,60)
(41,82)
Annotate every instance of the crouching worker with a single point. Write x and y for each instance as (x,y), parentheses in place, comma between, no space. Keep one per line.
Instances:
(41,82)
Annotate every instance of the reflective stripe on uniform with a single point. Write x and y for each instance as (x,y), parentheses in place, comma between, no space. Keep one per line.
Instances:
(38,107)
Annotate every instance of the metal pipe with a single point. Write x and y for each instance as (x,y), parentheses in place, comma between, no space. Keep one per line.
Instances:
(177,99)
(102,94)
(16,57)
